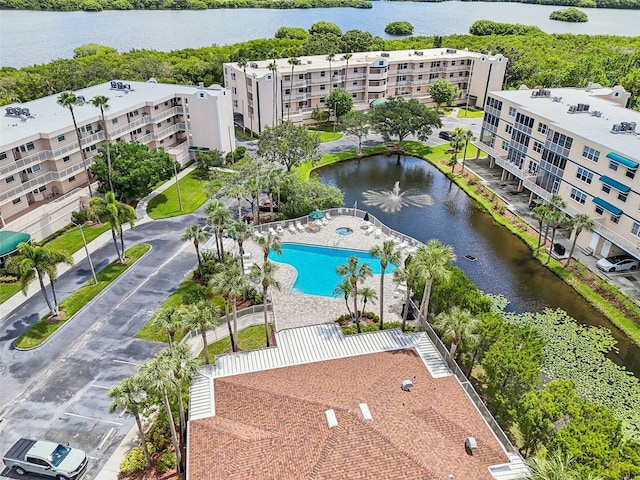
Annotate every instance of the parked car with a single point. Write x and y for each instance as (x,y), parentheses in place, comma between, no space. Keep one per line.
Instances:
(445,135)
(617,263)
(47,459)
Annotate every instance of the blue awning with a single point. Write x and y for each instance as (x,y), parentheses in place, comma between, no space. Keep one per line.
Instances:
(615,184)
(607,206)
(622,160)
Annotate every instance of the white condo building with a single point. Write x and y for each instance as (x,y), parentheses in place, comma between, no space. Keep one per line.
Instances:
(579,143)
(263,96)
(42,178)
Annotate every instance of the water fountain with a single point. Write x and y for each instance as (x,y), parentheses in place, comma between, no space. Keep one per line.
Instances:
(392,201)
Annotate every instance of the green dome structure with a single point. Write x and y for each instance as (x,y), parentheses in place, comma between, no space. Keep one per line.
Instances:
(9,242)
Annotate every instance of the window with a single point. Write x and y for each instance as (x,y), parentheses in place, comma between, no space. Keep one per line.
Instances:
(322,87)
(35,168)
(287,91)
(301,76)
(508,128)
(354,95)
(322,100)
(355,70)
(537,147)
(3,155)
(72,178)
(622,196)
(235,104)
(421,65)
(635,229)
(10,179)
(512,111)
(42,189)
(453,63)
(156,107)
(591,153)
(615,218)
(543,128)
(579,196)
(606,188)
(66,159)
(630,173)
(355,82)
(451,75)
(233,76)
(16,201)
(505,145)
(234,90)
(599,210)
(584,175)
(322,74)
(115,120)
(61,138)
(402,66)
(419,77)
(613,166)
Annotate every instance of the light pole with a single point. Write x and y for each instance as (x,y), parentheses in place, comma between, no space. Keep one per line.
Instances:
(84,242)
(175,171)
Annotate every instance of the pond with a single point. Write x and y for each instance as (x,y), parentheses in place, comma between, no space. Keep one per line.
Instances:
(495,260)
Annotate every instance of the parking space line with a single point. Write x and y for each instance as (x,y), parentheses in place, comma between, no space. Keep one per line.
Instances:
(92,418)
(105,437)
(128,363)
(99,386)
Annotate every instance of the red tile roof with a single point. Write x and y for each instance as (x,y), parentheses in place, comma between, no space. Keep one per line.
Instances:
(271,424)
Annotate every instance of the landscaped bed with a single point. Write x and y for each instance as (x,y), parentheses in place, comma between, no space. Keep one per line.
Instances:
(44,328)
(192,192)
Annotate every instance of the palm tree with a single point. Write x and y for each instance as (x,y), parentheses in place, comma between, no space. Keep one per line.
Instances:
(102,102)
(556,219)
(330,57)
(168,320)
(237,191)
(354,273)
(126,214)
(387,254)
(367,294)
(231,284)
(293,62)
(467,136)
(128,396)
(580,222)
(455,326)
(456,141)
(344,289)
(540,213)
(269,242)
(274,69)
(555,466)
(433,261)
(157,378)
(556,202)
(346,58)
(219,216)
(206,318)
(33,261)
(253,185)
(108,209)
(195,234)
(241,232)
(407,275)
(69,100)
(183,366)
(265,276)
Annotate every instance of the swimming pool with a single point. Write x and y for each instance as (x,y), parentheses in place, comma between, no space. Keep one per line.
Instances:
(316,266)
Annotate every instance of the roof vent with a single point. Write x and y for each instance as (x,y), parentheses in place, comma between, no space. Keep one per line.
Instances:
(330,417)
(453,50)
(470,445)
(152,80)
(200,85)
(385,54)
(366,413)
(541,93)
(309,62)
(407,385)
(253,65)
(557,99)
(419,53)
(596,113)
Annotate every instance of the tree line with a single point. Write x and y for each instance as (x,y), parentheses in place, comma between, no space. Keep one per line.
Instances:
(622,4)
(537,59)
(99,5)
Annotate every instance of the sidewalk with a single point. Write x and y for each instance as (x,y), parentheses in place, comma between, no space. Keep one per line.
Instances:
(141,211)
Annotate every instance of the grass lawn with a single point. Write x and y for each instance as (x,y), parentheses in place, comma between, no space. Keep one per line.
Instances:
(149,333)
(43,329)
(8,290)
(192,191)
(327,136)
(245,136)
(305,169)
(71,241)
(251,338)
(470,113)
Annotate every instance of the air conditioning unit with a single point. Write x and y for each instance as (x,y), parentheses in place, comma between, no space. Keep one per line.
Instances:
(385,54)
(572,109)
(253,65)
(419,53)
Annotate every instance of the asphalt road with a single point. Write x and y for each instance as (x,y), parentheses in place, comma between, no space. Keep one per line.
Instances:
(59,391)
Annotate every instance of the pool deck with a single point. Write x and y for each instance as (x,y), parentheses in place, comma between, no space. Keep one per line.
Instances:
(293,309)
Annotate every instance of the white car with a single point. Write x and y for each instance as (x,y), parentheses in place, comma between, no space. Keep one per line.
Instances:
(618,263)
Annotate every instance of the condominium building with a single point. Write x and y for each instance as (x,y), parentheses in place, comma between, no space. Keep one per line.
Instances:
(268,91)
(42,178)
(579,143)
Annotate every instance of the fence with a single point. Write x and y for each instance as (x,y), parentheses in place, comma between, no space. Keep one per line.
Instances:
(464,382)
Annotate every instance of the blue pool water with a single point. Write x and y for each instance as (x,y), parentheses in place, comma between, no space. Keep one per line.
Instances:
(316,266)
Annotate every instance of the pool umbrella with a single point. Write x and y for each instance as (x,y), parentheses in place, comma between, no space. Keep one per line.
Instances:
(366,217)
(316,214)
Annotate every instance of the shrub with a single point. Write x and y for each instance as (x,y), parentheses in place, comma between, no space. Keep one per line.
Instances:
(134,461)
(8,279)
(240,151)
(399,28)
(166,461)
(572,15)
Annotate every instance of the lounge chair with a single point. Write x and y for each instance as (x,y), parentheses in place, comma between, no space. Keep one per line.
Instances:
(328,216)
(299,227)
(378,232)
(257,234)
(369,230)
(318,223)
(272,231)
(280,230)
(292,228)
(365,224)
(313,227)
(324,221)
